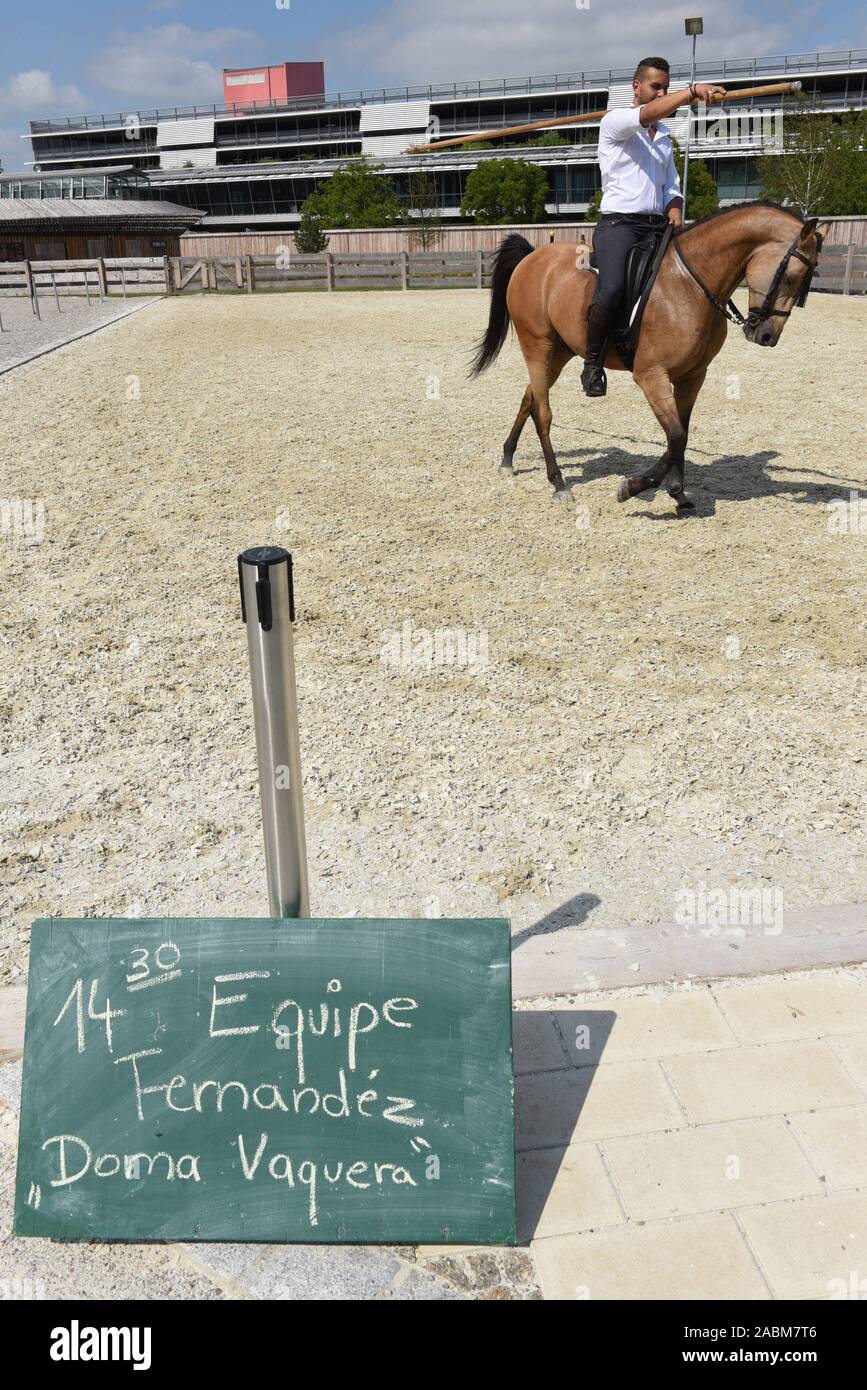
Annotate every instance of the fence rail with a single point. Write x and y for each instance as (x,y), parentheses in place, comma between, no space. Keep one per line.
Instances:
(399,270)
(100,276)
(842,270)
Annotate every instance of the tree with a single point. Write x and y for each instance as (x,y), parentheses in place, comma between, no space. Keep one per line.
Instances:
(357,195)
(547,137)
(701,193)
(822,166)
(594,212)
(847,193)
(309,236)
(505,190)
(425,228)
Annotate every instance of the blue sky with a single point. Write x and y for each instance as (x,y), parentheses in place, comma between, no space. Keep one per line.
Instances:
(67,58)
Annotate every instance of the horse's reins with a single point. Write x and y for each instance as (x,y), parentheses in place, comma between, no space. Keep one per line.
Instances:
(766,309)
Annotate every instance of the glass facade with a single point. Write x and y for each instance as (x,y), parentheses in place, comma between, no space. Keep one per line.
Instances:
(314,136)
(88,184)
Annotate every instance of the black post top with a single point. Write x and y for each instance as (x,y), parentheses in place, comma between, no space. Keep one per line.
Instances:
(262,558)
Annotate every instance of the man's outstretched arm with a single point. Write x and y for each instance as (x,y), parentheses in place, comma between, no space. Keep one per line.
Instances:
(660,107)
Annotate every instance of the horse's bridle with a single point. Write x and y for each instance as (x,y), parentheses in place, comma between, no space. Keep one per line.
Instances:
(766,309)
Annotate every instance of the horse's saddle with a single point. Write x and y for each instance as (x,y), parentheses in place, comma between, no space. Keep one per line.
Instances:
(642,268)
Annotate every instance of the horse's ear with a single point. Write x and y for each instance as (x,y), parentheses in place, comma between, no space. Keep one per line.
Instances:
(822,230)
(808,228)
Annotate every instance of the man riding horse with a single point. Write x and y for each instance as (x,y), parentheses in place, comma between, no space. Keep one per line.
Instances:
(640,189)
(547,300)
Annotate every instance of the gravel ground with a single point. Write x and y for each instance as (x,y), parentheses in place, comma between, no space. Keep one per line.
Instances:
(25,336)
(656,702)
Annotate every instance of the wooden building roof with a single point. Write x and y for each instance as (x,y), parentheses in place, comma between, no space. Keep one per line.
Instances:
(23,214)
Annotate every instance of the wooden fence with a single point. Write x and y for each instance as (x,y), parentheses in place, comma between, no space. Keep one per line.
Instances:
(468,237)
(400,270)
(842,269)
(99,277)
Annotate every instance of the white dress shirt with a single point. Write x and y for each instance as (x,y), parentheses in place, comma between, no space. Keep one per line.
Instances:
(638,173)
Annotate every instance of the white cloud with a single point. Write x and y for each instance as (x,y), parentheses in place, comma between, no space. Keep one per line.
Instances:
(35,92)
(31,94)
(13,150)
(170,64)
(406,43)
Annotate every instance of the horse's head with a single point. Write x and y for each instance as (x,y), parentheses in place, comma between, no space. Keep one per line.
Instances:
(778,275)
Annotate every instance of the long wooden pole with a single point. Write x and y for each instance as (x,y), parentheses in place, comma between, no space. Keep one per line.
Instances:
(771,89)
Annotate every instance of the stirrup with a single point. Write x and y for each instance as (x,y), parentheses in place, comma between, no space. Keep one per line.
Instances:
(594,381)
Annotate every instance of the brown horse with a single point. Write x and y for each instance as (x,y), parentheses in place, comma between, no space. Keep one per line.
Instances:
(546,298)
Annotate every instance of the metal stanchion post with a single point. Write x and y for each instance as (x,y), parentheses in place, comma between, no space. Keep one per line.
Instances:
(267,607)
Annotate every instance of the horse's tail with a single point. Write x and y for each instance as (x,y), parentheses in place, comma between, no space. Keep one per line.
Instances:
(512,251)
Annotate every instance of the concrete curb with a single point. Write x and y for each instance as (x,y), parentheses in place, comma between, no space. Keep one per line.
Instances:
(598,959)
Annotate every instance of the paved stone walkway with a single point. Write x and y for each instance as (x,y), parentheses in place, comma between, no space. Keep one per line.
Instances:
(700,1144)
(673,1143)
(24,337)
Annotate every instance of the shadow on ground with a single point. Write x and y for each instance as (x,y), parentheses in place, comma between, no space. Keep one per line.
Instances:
(739,476)
(556,1057)
(573,913)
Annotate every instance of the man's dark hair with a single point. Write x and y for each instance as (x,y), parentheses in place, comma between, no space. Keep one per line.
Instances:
(647,63)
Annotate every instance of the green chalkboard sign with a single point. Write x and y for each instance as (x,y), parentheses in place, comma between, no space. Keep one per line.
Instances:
(268,1081)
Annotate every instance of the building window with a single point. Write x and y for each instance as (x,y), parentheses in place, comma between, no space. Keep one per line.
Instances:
(97,246)
(158,248)
(12,251)
(49,251)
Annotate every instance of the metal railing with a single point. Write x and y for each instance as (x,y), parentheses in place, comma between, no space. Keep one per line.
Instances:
(144,149)
(600,79)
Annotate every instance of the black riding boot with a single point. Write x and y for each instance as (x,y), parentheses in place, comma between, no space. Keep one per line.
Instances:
(598,326)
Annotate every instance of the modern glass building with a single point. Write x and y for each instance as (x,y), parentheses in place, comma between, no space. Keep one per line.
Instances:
(251,164)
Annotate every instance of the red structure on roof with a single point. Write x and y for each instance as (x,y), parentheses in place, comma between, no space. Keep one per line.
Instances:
(243,86)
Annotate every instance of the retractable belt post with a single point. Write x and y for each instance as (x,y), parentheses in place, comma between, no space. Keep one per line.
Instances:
(268,609)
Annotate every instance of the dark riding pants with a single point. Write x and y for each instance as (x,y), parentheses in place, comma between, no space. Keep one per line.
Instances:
(613,237)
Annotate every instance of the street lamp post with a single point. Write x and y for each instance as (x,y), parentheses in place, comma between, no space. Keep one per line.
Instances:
(692,27)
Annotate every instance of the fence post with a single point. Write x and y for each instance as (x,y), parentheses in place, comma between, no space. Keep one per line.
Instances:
(30,285)
(239,274)
(101,277)
(249,260)
(205,277)
(56,295)
(479,269)
(167,274)
(847,273)
(404,270)
(329,268)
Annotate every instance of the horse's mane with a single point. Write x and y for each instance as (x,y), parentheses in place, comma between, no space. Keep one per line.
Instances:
(737,207)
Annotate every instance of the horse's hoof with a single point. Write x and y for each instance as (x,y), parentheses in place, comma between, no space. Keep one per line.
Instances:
(506,470)
(563,494)
(684,503)
(623,493)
